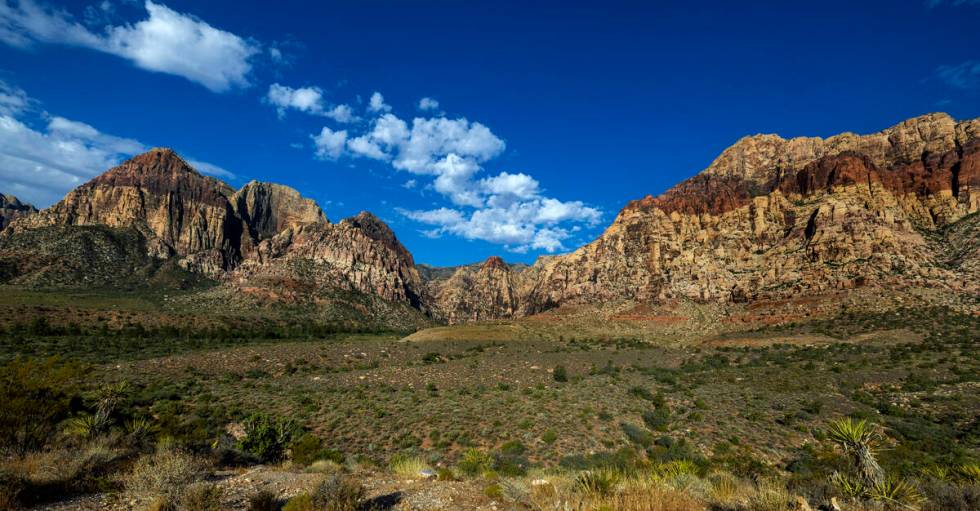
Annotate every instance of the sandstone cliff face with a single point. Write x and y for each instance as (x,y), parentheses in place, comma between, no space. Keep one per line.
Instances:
(179,211)
(477,292)
(772,218)
(268,209)
(358,254)
(261,237)
(11,208)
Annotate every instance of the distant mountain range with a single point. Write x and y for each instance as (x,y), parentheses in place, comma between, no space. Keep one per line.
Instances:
(769,219)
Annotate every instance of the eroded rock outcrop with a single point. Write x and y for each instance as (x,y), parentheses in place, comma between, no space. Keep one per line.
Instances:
(769,218)
(12,208)
(264,237)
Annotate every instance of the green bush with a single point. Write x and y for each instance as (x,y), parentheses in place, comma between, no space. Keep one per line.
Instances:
(36,394)
(658,420)
(267,437)
(560,374)
(309,448)
(637,434)
(338,493)
(475,462)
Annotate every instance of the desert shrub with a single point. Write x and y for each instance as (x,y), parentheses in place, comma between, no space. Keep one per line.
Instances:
(658,420)
(302,502)
(267,437)
(338,493)
(625,460)
(560,374)
(264,500)
(946,496)
(770,496)
(475,462)
(549,437)
(407,466)
(165,473)
(36,395)
(637,434)
(511,460)
(309,448)
(11,485)
(201,497)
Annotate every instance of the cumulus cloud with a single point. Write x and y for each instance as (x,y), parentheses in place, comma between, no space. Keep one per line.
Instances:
(40,165)
(377,103)
(426,104)
(520,226)
(962,76)
(309,100)
(166,41)
(329,144)
(341,114)
(509,209)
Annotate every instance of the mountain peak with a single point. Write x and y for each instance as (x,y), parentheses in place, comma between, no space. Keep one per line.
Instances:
(495,262)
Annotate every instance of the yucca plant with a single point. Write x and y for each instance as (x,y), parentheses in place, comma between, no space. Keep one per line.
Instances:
(896,493)
(598,483)
(86,426)
(859,439)
(848,486)
(970,472)
(937,472)
(138,428)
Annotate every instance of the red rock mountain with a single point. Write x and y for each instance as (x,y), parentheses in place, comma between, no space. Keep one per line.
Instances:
(773,218)
(248,238)
(770,218)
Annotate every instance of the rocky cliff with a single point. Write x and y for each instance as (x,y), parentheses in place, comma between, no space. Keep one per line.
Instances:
(771,218)
(12,208)
(264,238)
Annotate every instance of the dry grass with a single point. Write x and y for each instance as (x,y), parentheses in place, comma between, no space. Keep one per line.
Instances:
(165,473)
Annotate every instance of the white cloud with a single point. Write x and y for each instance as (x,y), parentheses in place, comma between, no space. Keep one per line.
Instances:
(508,208)
(519,226)
(304,99)
(518,185)
(211,169)
(329,144)
(341,113)
(426,104)
(377,103)
(41,165)
(167,42)
(307,100)
(13,100)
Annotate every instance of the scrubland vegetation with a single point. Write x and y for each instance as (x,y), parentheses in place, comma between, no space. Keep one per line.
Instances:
(883,416)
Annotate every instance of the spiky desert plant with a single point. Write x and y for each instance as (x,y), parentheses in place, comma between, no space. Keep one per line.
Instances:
(847,486)
(859,439)
(598,483)
(970,472)
(84,426)
(897,493)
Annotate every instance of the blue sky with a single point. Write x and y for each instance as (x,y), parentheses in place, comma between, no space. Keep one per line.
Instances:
(541,121)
